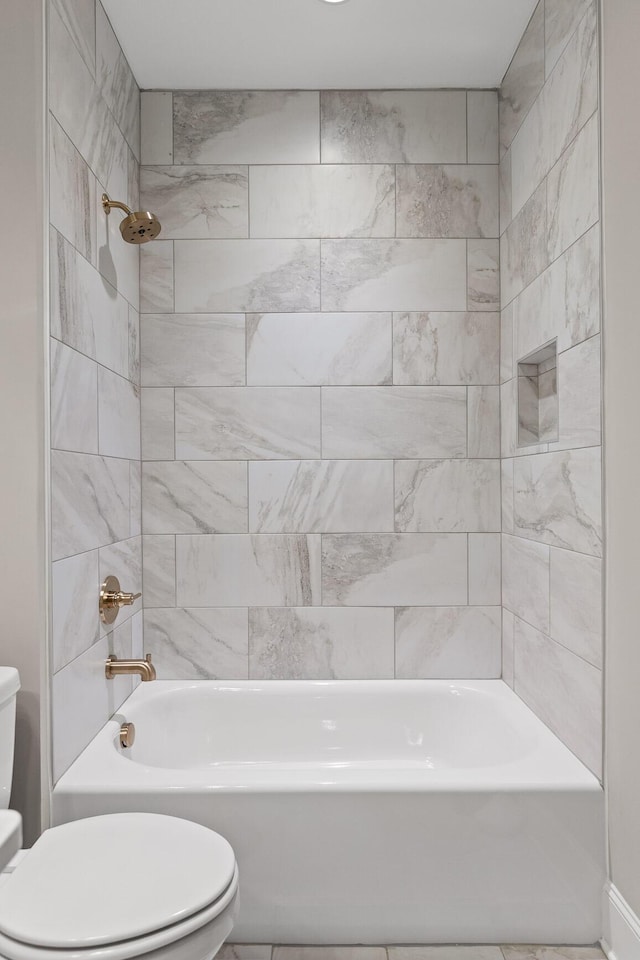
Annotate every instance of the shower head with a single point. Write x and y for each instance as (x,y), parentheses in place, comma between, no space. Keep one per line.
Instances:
(138,227)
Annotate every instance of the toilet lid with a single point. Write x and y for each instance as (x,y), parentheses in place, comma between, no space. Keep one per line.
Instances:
(112,878)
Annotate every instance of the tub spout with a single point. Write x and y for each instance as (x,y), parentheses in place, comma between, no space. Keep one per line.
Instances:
(143,668)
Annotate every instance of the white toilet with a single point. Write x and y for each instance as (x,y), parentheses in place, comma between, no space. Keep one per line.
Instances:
(112,887)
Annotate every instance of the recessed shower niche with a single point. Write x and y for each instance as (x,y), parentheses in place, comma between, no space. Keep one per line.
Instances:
(538,396)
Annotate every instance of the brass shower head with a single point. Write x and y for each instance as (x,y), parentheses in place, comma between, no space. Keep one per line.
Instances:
(138,227)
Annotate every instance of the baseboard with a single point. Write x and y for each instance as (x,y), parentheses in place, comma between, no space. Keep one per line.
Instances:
(621,939)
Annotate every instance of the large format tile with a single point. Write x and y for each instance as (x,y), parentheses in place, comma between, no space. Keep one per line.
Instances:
(445,953)
(483,275)
(197,644)
(579,401)
(74,400)
(561,18)
(75,624)
(526,952)
(447,495)
(320,643)
(194,497)
(448,642)
(118,416)
(79,17)
(393,274)
(116,81)
(524,246)
(396,126)
(404,569)
(192,350)
(246,275)
(254,570)
(72,193)
(558,499)
(508,652)
(459,200)
(124,561)
(524,78)
(445,348)
(247,423)
(482,126)
(483,421)
(318,496)
(573,190)
(156,277)
(89,502)
(485,587)
(388,422)
(157,415)
(159,571)
(525,580)
(329,953)
(246,126)
(576,603)
(197,202)
(156,127)
(323,201)
(563,690)
(301,349)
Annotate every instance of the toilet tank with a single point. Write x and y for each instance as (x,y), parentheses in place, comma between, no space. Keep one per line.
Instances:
(9,686)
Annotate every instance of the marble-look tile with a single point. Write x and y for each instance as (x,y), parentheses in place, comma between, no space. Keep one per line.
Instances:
(564,302)
(89,502)
(193,350)
(441,643)
(445,953)
(319,496)
(118,416)
(508,636)
(157,427)
(135,498)
(118,262)
(573,190)
(197,202)
(507,495)
(323,201)
(116,81)
(525,580)
(482,126)
(194,497)
(485,587)
(247,423)
(566,102)
(72,193)
(393,422)
(329,953)
(446,348)
(507,344)
(74,400)
(561,17)
(124,561)
(159,571)
(156,277)
(558,499)
(483,275)
(504,175)
(156,127)
(305,349)
(458,200)
(247,275)
(483,421)
(395,126)
(576,603)
(526,952)
(198,643)
(75,624)
(447,496)
(579,400)
(402,569)
(252,570)
(79,17)
(393,274)
(321,643)
(76,102)
(242,951)
(86,312)
(246,126)
(563,690)
(524,78)
(134,345)
(524,246)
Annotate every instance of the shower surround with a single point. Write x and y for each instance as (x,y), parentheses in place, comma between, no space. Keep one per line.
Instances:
(320,370)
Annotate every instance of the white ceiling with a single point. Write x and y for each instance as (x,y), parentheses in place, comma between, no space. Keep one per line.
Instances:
(309,44)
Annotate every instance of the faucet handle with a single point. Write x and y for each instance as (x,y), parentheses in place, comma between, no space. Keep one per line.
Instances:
(112,598)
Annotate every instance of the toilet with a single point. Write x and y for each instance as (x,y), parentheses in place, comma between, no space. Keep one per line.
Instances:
(111,887)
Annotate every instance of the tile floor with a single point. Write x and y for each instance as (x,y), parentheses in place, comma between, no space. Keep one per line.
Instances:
(232,951)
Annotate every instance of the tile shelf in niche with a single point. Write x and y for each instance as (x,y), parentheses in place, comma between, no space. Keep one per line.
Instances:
(538,396)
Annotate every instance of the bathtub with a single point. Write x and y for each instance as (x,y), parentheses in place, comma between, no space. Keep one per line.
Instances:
(366,811)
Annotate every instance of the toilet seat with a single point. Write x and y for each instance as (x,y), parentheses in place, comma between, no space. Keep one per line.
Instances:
(115,887)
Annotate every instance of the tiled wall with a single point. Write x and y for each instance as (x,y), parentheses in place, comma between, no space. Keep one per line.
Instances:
(95,409)
(320,370)
(551,506)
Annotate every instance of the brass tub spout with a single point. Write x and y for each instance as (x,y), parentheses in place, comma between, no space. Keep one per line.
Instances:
(142,668)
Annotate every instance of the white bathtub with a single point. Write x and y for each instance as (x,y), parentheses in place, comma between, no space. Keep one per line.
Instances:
(366,811)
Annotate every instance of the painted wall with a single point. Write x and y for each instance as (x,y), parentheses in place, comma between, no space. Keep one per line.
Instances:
(320,363)
(95,411)
(621,213)
(551,506)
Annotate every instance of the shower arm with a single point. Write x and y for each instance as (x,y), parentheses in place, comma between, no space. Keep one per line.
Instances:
(107,205)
